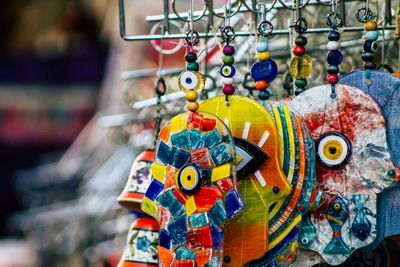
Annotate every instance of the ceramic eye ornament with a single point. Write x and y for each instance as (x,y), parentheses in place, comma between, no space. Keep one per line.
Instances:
(301,65)
(265,70)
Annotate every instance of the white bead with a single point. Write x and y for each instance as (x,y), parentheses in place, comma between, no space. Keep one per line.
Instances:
(226,80)
(333,45)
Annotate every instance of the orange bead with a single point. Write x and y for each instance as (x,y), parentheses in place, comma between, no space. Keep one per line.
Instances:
(261,85)
(370,26)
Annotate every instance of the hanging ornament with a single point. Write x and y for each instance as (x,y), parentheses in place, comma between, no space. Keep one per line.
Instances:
(193,190)
(334,58)
(228,70)
(141,244)
(301,65)
(353,165)
(265,70)
(138,181)
(261,181)
(370,46)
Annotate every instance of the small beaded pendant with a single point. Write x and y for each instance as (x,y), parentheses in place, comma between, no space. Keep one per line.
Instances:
(301,65)
(191,81)
(370,45)
(265,70)
(227,70)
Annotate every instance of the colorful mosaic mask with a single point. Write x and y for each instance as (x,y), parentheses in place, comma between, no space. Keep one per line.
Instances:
(353,165)
(193,192)
(138,181)
(141,245)
(261,180)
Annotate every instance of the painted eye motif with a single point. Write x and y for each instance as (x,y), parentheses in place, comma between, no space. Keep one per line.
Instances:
(334,149)
(227,71)
(249,157)
(189,180)
(191,80)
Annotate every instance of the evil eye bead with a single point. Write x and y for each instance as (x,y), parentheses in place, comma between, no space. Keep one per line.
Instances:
(333,149)
(227,71)
(189,180)
(191,80)
(337,207)
(370,46)
(305,241)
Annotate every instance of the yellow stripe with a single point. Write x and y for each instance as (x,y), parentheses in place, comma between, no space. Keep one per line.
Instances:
(280,135)
(291,155)
(285,233)
(291,143)
(334,219)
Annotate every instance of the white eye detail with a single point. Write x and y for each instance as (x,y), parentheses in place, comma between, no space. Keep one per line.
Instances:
(191,80)
(333,149)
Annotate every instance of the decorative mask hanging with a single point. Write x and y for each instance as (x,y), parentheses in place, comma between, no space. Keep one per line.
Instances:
(261,181)
(353,165)
(193,192)
(141,245)
(138,181)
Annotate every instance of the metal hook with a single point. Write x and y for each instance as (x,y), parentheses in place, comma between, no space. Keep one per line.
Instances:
(261,28)
(226,37)
(256,11)
(209,5)
(327,4)
(298,27)
(188,20)
(331,17)
(294,8)
(367,14)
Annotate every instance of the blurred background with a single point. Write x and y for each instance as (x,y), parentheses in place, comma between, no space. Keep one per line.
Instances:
(68,134)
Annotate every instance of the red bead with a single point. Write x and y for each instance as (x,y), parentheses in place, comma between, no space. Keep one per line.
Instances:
(261,85)
(299,50)
(332,78)
(228,89)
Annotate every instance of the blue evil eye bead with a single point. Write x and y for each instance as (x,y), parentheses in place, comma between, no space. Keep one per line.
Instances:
(265,70)
(372,35)
(334,57)
(370,46)
(262,47)
(191,80)
(227,71)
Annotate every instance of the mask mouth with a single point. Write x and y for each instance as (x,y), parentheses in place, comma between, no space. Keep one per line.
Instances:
(333,149)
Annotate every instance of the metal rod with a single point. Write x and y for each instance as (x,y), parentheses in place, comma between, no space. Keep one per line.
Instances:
(220,11)
(166,16)
(244,33)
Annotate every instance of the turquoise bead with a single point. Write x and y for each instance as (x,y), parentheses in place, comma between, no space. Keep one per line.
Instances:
(193,66)
(372,35)
(262,47)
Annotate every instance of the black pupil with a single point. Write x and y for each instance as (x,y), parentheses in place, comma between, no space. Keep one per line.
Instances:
(189,177)
(188,80)
(332,150)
